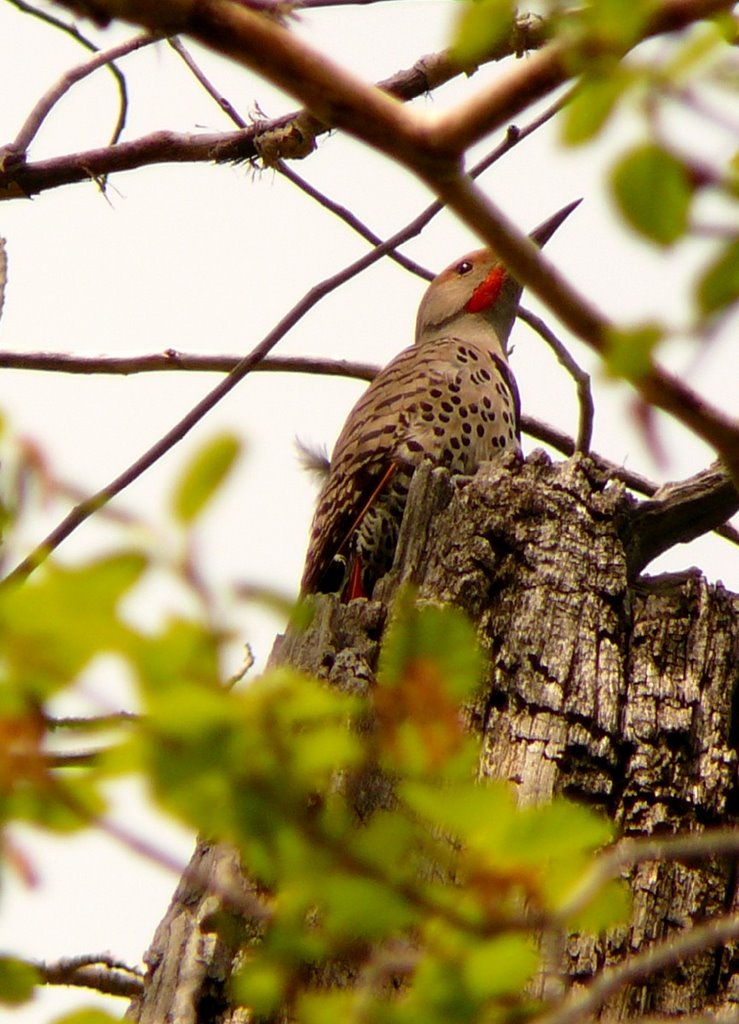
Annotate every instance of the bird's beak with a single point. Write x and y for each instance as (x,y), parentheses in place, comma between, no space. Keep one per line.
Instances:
(544,232)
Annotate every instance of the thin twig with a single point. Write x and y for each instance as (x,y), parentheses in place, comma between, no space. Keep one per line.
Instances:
(101,973)
(580,377)
(353,221)
(590,998)
(426,74)
(74,759)
(433,149)
(52,96)
(82,512)
(628,853)
(281,166)
(74,32)
(171,360)
(226,106)
(94,723)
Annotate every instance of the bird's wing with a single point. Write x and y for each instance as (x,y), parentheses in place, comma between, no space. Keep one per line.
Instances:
(366,450)
(401,419)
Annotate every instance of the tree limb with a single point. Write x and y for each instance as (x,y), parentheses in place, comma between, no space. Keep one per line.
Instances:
(101,973)
(677,514)
(580,377)
(74,33)
(661,955)
(704,496)
(15,151)
(288,137)
(432,149)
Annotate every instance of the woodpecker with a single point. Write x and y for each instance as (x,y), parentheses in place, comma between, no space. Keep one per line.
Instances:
(450,398)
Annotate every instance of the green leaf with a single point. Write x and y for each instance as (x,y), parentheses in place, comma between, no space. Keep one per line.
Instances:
(592,105)
(479,815)
(91,1015)
(481,26)
(66,807)
(320,1007)
(201,479)
(629,352)
(260,985)
(610,23)
(610,906)
(719,285)
(500,967)
(362,907)
(442,636)
(653,192)
(699,46)
(17,981)
(56,622)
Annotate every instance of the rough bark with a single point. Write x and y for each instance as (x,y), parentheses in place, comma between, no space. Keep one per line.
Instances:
(613,691)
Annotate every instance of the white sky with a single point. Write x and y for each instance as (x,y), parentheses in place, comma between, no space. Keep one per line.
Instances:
(207,259)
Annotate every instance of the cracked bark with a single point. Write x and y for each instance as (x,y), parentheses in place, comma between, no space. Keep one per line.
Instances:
(614,691)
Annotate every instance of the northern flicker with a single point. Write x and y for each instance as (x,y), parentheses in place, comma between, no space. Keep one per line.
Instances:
(450,398)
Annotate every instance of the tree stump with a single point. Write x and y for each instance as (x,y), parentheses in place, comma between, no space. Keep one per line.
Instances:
(608,687)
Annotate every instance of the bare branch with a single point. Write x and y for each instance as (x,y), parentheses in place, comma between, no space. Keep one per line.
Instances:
(432,150)
(171,360)
(323,200)
(82,512)
(225,105)
(74,32)
(353,221)
(661,955)
(16,149)
(287,136)
(94,722)
(101,973)
(656,386)
(677,514)
(581,378)
(628,853)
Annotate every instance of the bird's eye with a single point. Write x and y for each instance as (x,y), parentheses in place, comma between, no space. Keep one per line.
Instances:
(464,267)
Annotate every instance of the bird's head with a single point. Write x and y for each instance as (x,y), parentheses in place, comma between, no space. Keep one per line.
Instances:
(476,298)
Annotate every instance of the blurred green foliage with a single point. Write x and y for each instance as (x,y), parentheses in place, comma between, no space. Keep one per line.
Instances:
(673,98)
(435,893)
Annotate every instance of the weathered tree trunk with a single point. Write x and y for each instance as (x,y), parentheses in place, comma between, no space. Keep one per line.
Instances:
(614,691)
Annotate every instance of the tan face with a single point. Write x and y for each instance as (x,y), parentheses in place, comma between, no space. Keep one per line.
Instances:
(469,285)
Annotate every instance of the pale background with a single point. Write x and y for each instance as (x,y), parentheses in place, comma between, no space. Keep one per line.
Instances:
(207,259)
